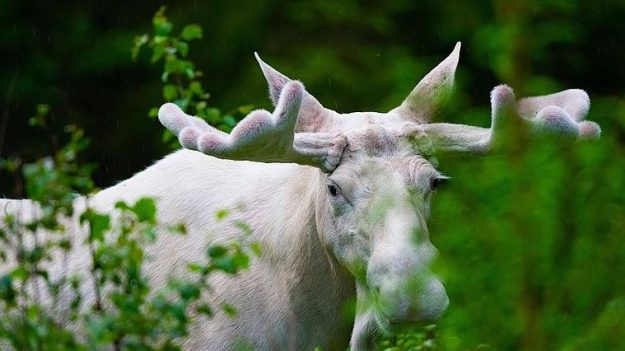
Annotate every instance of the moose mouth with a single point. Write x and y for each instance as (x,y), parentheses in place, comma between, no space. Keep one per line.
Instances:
(422,305)
(375,325)
(391,326)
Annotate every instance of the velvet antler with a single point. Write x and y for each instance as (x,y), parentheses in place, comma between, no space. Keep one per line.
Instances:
(261,136)
(559,114)
(302,131)
(431,93)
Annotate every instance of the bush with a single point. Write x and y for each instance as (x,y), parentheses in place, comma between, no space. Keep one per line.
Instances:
(43,309)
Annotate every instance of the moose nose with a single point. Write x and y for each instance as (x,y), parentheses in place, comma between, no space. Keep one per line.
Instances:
(424,300)
(434,301)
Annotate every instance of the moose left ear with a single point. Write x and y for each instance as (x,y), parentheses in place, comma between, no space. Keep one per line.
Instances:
(432,91)
(312,115)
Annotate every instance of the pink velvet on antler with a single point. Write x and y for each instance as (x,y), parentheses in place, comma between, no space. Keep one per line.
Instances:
(261,136)
(562,112)
(301,130)
(558,114)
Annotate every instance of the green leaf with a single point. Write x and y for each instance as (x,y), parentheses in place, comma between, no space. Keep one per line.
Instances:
(153,112)
(221,214)
(188,291)
(241,260)
(226,264)
(145,209)
(178,311)
(180,228)
(204,309)
(98,224)
(183,48)
(65,244)
(244,227)
(140,41)
(7,291)
(191,31)
(256,249)
(229,309)
(245,109)
(43,109)
(230,121)
(196,88)
(170,92)
(195,267)
(175,65)
(162,27)
(158,52)
(19,273)
(216,251)
(149,233)
(167,136)
(121,205)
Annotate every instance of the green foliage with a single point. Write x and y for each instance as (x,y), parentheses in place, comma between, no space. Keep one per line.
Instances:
(109,303)
(124,312)
(414,339)
(534,254)
(181,79)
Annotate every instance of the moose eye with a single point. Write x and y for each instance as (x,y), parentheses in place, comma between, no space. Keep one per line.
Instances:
(436,182)
(334,190)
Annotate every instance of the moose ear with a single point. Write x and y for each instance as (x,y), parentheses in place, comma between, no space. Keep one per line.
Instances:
(432,91)
(312,117)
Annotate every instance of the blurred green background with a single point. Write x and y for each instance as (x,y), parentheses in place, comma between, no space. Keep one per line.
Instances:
(532,243)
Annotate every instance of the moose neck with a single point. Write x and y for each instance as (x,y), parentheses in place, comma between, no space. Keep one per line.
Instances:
(278,202)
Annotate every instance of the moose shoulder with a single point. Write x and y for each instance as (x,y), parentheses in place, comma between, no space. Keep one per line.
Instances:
(338,203)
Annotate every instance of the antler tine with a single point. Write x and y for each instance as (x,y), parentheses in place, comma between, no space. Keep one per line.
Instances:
(567,108)
(559,114)
(261,136)
(432,92)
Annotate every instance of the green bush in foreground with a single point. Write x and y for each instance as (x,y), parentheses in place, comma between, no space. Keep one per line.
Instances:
(44,311)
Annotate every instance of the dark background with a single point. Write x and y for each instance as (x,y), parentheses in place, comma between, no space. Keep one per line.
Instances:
(75,56)
(533,255)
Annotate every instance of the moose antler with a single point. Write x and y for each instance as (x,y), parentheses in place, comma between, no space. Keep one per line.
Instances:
(432,92)
(559,114)
(261,136)
(312,116)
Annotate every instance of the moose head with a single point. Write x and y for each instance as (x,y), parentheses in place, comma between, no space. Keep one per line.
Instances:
(373,178)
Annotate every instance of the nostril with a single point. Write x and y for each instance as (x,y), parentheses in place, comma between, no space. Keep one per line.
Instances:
(400,302)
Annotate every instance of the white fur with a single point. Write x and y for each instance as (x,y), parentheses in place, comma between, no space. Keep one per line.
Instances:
(295,292)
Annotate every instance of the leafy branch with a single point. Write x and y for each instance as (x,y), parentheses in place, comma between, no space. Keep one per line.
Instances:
(181,79)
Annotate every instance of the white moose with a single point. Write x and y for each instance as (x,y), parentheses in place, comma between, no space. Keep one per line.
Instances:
(338,203)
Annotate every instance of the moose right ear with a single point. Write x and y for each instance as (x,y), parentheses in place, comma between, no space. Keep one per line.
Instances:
(312,115)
